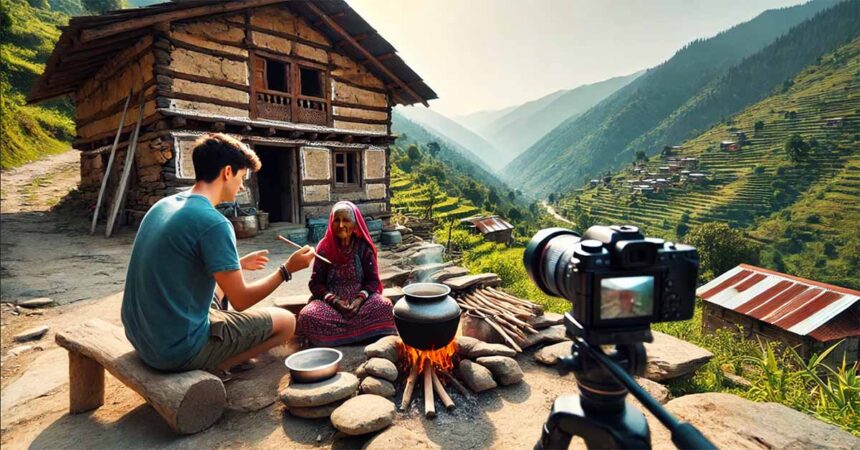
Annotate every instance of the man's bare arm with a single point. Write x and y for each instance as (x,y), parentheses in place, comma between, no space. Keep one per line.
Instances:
(244,295)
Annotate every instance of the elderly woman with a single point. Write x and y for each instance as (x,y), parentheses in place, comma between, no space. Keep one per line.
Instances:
(346,306)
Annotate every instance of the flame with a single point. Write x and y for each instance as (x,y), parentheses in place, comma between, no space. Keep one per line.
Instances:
(442,359)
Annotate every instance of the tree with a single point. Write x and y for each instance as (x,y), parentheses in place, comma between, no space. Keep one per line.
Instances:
(515,214)
(101,6)
(413,152)
(433,147)
(512,195)
(759,125)
(720,248)
(796,148)
(552,197)
(433,195)
(641,156)
(493,197)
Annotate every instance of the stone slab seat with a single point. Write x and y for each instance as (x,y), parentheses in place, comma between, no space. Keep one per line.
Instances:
(189,402)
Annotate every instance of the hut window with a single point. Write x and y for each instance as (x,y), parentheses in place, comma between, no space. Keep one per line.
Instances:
(311,82)
(346,169)
(277,76)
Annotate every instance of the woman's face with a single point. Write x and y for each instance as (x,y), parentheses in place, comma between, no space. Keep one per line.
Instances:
(343,226)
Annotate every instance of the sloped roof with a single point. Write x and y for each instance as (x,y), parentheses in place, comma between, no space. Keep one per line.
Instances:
(489,224)
(800,306)
(89,42)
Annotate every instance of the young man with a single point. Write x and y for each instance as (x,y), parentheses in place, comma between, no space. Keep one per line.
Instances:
(183,248)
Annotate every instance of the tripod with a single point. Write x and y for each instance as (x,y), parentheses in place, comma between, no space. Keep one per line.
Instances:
(600,414)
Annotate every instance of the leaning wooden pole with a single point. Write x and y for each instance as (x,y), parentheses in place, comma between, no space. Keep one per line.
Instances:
(429,401)
(126,170)
(410,387)
(110,162)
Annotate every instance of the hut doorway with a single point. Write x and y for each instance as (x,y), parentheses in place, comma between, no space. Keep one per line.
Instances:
(277,183)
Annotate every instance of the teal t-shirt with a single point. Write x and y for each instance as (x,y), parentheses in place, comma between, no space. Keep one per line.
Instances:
(181,243)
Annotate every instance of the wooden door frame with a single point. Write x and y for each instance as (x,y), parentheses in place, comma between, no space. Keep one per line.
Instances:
(295,178)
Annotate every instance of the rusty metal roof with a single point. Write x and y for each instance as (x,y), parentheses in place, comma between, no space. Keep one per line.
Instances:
(800,306)
(490,224)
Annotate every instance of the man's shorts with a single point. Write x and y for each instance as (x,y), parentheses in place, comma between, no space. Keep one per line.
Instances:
(231,333)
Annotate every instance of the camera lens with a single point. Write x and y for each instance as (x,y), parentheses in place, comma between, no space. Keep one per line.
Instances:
(546,258)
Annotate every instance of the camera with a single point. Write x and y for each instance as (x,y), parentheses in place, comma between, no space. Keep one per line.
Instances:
(618,280)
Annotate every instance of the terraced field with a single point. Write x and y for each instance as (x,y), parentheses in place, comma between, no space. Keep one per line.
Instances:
(411,197)
(758,180)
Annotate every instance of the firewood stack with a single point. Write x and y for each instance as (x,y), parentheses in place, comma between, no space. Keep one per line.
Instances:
(508,315)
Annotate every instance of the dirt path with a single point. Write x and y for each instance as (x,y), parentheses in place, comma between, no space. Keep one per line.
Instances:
(555,214)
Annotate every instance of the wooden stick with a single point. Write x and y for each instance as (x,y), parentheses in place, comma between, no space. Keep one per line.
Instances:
(500,330)
(410,387)
(456,383)
(515,300)
(289,242)
(429,404)
(440,391)
(110,161)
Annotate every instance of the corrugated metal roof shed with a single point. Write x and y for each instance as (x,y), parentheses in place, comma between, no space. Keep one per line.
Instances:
(489,224)
(800,306)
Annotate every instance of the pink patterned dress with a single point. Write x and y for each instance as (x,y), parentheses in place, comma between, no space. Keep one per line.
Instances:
(322,324)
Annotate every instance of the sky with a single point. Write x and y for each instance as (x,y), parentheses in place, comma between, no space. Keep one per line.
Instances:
(489,54)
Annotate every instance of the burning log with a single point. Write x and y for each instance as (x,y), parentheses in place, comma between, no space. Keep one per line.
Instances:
(429,403)
(459,386)
(410,386)
(440,391)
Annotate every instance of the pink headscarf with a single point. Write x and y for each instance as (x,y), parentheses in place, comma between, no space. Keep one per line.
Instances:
(328,245)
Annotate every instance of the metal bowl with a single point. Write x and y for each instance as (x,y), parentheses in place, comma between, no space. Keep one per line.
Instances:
(314,364)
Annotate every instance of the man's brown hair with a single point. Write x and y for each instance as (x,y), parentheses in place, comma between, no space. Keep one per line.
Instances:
(212,152)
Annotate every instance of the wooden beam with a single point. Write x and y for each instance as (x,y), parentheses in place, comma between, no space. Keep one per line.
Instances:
(143,22)
(334,16)
(382,57)
(338,29)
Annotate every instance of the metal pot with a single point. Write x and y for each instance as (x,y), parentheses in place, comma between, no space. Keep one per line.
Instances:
(315,364)
(427,317)
(244,226)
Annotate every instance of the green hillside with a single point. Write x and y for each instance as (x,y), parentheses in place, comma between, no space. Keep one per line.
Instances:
(412,198)
(27,37)
(682,97)
(807,208)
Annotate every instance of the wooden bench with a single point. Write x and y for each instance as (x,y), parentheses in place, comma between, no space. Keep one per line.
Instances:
(189,401)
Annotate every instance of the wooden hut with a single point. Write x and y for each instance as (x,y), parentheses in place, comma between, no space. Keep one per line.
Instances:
(833,122)
(493,228)
(773,306)
(309,85)
(730,146)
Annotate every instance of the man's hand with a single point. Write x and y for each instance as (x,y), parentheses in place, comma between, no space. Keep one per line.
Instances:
(254,260)
(300,259)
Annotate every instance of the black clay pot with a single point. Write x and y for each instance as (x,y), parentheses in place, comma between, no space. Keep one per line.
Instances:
(427,317)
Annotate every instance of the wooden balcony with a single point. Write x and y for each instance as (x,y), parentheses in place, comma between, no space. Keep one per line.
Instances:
(283,107)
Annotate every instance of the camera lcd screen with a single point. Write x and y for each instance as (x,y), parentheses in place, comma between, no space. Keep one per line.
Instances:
(626,297)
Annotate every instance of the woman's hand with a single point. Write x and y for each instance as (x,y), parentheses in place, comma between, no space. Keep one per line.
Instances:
(341,305)
(254,260)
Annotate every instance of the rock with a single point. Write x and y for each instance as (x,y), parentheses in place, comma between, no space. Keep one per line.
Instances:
(532,339)
(363,414)
(400,437)
(382,368)
(423,272)
(448,273)
(466,344)
(736,380)
(361,371)
(486,349)
(48,372)
(17,350)
(393,276)
(467,281)
(730,421)
(393,293)
(476,376)
(36,303)
(546,320)
(338,387)
(377,386)
(555,333)
(504,369)
(670,357)
(31,334)
(385,347)
(550,354)
(655,389)
(316,412)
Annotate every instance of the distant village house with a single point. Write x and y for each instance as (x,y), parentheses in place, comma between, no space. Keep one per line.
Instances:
(493,228)
(834,122)
(308,85)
